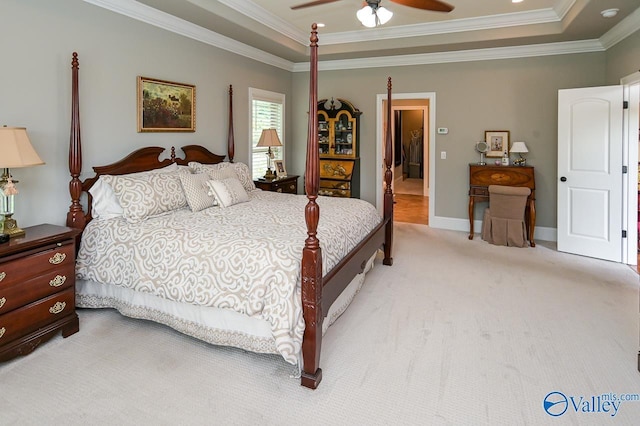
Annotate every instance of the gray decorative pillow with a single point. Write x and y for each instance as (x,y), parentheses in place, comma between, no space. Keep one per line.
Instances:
(228,191)
(197,191)
(240,169)
(148,195)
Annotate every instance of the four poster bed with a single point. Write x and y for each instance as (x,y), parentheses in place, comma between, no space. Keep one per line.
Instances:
(280,279)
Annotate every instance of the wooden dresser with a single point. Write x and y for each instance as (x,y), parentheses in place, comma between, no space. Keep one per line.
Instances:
(37,288)
(480,177)
(287,184)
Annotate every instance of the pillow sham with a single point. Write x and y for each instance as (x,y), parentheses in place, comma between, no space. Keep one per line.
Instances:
(105,204)
(228,191)
(240,169)
(197,192)
(149,195)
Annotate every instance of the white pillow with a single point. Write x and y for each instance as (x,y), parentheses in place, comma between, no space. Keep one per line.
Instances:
(149,195)
(105,204)
(228,191)
(197,191)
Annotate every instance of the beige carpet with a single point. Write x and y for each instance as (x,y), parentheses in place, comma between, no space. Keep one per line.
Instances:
(456,332)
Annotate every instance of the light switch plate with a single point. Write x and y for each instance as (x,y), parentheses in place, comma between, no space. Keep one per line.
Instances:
(443,130)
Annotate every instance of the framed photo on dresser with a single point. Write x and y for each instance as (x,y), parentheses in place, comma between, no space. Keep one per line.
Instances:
(280,170)
(498,141)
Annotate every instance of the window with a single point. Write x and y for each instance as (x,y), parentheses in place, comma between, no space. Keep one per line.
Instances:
(267,112)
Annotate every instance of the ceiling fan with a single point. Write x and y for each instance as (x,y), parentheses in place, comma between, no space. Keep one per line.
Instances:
(433,5)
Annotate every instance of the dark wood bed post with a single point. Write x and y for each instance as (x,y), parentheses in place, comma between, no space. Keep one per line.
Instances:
(231,150)
(388,177)
(312,254)
(75,216)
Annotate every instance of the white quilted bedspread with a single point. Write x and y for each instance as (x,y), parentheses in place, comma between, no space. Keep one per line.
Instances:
(246,257)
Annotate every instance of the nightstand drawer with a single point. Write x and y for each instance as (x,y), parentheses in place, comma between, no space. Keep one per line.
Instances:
(16,269)
(20,293)
(29,318)
(285,187)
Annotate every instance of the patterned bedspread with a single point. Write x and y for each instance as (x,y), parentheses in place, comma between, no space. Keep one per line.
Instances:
(246,257)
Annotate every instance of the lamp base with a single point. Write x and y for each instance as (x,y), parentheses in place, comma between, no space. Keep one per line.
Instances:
(269,175)
(9,226)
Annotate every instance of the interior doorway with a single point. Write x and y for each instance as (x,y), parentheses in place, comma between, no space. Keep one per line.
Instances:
(412,138)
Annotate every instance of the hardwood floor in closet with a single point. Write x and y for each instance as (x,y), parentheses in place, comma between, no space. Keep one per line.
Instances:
(411,208)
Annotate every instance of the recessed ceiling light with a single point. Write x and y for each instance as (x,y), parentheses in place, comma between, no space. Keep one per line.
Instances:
(516,1)
(320,25)
(609,13)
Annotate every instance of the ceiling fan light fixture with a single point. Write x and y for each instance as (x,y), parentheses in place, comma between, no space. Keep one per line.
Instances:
(384,15)
(372,16)
(367,16)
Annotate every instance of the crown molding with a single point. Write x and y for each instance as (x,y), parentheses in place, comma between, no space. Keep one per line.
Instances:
(622,30)
(563,48)
(541,16)
(151,16)
(265,17)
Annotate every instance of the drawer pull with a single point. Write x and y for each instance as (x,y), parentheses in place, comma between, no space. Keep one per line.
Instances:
(2,275)
(3,301)
(58,281)
(58,307)
(279,190)
(57,258)
(2,330)
(292,187)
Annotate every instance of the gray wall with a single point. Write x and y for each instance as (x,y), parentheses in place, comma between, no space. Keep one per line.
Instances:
(519,95)
(37,38)
(623,59)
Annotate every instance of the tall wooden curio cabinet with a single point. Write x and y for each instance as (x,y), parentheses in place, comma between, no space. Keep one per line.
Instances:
(339,141)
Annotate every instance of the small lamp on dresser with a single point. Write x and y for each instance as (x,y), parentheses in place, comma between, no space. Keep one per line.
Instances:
(269,138)
(519,148)
(15,151)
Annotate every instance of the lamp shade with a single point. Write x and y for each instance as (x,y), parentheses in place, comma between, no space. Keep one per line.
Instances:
(519,147)
(269,137)
(16,150)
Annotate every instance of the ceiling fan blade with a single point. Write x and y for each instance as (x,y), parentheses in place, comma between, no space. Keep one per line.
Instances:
(312,3)
(435,5)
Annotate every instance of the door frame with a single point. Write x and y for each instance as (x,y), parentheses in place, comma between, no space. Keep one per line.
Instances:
(430,130)
(631,124)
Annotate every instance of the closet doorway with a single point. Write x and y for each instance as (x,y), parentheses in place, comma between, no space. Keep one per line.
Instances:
(426,103)
(410,160)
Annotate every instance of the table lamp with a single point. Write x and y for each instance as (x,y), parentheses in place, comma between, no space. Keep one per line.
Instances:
(519,148)
(269,138)
(15,151)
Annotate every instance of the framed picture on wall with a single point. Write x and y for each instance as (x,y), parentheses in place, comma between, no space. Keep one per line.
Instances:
(498,141)
(165,106)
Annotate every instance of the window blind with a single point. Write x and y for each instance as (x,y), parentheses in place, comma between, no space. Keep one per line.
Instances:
(267,110)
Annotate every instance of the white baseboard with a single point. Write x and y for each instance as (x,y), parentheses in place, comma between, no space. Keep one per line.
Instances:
(454,224)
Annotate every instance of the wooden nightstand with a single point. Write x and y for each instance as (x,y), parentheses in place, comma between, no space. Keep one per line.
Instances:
(37,288)
(288,185)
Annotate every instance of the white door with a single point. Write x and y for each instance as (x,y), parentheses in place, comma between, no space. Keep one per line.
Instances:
(590,172)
